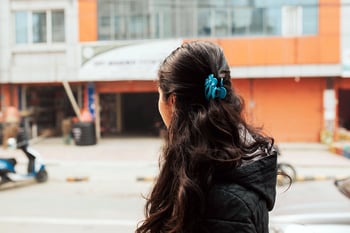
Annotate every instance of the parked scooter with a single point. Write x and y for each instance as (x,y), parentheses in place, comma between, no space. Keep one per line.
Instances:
(343,186)
(36,170)
(286,171)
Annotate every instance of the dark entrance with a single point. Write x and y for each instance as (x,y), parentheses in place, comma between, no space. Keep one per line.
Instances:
(140,113)
(48,105)
(344,108)
(129,114)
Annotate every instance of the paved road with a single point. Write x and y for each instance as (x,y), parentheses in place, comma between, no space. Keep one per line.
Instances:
(110,199)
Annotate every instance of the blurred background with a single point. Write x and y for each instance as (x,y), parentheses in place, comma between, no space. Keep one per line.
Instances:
(85,71)
(290,60)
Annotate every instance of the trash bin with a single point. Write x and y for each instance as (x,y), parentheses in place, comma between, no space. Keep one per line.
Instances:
(84,133)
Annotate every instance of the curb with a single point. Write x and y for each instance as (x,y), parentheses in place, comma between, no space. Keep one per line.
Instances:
(77,179)
(16,184)
(298,179)
(317,178)
(146,178)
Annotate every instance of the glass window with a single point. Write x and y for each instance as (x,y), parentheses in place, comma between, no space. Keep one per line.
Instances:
(168,24)
(310,20)
(272,21)
(36,22)
(257,23)
(21,21)
(120,19)
(304,14)
(118,29)
(39,27)
(241,20)
(58,29)
(135,19)
(204,27)
(138,26)
(105,20)
(221,20)
(291,20)
(186,21)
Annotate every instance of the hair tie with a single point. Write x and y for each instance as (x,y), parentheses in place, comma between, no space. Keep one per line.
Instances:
(212,90)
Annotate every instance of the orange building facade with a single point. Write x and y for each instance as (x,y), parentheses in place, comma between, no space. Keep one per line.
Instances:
(293,85)
(291,107)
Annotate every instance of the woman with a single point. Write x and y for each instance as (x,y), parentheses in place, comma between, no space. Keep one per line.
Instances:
(218,174)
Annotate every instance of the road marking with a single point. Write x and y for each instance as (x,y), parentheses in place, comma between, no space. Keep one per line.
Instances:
(68,221)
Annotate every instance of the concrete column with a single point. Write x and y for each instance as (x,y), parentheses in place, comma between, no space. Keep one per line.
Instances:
(119,114)
(72,37)
(345,36)
(5,35)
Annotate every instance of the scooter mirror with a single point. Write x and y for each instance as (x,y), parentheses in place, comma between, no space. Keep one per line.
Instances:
(12,143)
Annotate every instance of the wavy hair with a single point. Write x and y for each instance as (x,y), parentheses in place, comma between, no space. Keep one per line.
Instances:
(203,137)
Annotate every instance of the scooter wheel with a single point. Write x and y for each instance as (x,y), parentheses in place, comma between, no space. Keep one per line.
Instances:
(42,176)
(286,174)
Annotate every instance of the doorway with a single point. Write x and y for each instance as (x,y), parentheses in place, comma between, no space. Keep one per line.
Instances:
(343,108)
(129,114)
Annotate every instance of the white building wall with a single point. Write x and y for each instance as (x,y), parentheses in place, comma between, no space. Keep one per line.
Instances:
(48,62)
(345,37)
(4,40)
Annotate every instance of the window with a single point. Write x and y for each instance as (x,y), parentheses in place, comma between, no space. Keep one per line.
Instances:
(299,17)
(204,25)
(241,20)
(221,22)
(310,22)
(39,27)
(120,19)
(292,20)
(144,19)
(58,29)
(21,19)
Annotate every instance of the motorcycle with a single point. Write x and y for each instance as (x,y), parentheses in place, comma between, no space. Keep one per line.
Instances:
(36,168)
(286,173)
(343,185)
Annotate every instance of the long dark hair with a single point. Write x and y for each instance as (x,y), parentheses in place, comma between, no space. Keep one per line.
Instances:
(203,137)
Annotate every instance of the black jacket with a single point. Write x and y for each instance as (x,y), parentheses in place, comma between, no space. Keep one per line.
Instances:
(240,199)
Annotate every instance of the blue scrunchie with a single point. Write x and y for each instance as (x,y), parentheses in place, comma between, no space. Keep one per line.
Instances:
(212,90)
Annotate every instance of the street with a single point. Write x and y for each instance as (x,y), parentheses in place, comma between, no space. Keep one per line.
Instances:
(109,201)
(104,194)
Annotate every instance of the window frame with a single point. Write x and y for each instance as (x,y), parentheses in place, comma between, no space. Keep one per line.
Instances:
(222,20)
(30,27)
(292,20)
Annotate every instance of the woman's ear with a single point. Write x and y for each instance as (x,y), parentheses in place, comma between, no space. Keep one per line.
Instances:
(171,101)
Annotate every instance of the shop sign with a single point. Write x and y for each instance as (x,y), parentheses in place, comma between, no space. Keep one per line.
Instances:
(91,98)
(125,60)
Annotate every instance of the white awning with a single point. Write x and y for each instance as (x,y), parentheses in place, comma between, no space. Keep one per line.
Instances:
(132,60)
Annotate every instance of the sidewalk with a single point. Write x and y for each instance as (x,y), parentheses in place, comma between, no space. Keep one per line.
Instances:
(53,150)
(314,161)
(311,155)
(309,159)
(148,149)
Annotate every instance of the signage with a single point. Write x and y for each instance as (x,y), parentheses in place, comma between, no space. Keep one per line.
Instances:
(91,99)
(125,60)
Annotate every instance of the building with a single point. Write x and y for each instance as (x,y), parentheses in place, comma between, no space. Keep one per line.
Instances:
(290,59)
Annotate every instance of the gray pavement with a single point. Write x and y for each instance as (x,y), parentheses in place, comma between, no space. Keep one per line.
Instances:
(112,199)
(310,159)
(314,161)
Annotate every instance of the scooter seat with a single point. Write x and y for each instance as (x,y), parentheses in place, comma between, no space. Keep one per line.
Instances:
(11,161)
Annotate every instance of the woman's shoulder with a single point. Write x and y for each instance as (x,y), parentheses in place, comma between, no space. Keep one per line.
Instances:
(231,200)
